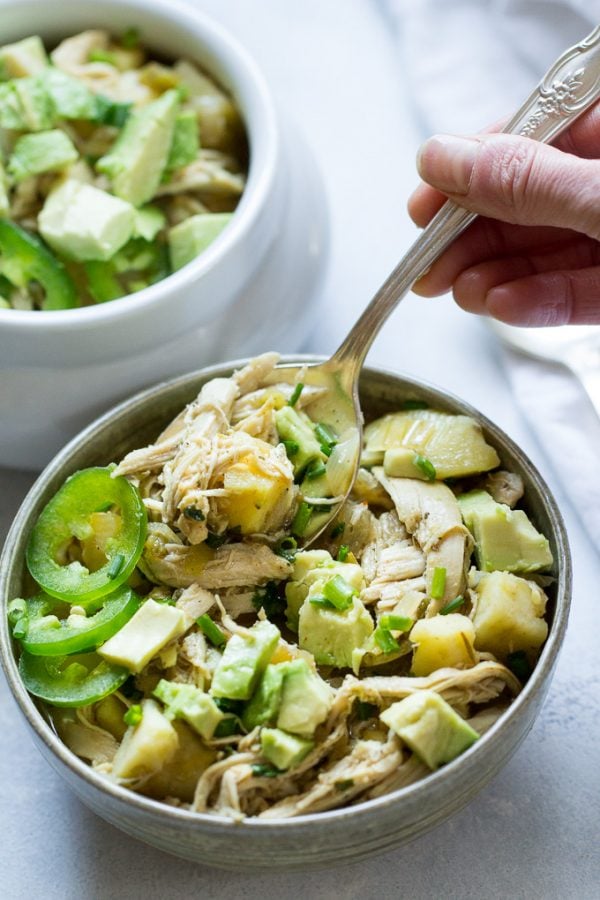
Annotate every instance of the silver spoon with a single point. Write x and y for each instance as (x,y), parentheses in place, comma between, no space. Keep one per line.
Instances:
(570,86)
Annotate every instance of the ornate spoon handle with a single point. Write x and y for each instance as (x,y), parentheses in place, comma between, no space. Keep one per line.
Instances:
(569,87)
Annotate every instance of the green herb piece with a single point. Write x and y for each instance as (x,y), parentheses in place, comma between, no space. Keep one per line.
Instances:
(396,623)
(109,112)
(296,394)
(385,640)
(519,665)
(287,548)
(425,466)
(301,519)
(133,716)
(270,599)
(192,512)
(227,727)
(17,608)
(234,707)
(102,56)
(339,593)
(315,470)
(342,554)
(291,447)
(116,564)
(364,710)
(263,770)
(325,437)
(415,404)
(214,541)
(438,583)
(130,38)
(320,600)
(337,530)
(344,785)
(211,630)
(452,606)
(21,627)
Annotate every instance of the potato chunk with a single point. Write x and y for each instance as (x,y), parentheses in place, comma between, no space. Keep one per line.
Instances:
(509,614)
(147,746)
(443,641)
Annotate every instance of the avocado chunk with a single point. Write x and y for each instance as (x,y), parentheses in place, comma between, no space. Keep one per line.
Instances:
(315,567)
(505,539)
(192,236)
(148,222)
(188,702)
(45,151)
(244,660)
(70,97)
(509,615)
(136,162)
(430,727)
(282,749)
(26,57)
(147,746)
(297,428)
(266,700)
(305,700)
(147,632)
(186,142)
(25,105)
(333,636)
(83,223)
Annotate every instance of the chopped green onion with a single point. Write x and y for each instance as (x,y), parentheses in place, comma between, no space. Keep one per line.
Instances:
(438,583)
(133,716)
(20,627)
(287,548)
(109,112)
(320,600)
(16,609)
(227,727)
(342,554)
(415,404)
(325,437)
(296,394)
(291,447)
(262,770)
(365,710)
(116,564)
(315,470)
(425,466)
(270,599)
(192,512)
(211,630)
(214,541)
(385,640)
(337,530)
(301,519)
(339,592)
(130,38)
(396,623)
(518,664)
(230,706)
(452,606)
(103,56)
(344,785)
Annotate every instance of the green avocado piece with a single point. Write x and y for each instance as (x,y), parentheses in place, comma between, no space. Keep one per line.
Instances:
(192,236)
(282,749)
(136,162)
(430,727)
(505,539)
(333,636)
(264,705)
(148,222)
(45,151)
(244,660)
(305,699)
(84,223)
(185,145)
(188,702)
(297,427)
(25,105)
(313,567)
(26,57)
(70,97)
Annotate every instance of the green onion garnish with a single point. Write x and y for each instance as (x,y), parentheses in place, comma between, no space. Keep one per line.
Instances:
(385,640)
(234,707)
(301,519)
(343,552)
(438,583)
(103,56)
(339,592)
(296,394)
(130,38)
(415,404)
(518,664)
(16,609)
(315,470)
(211,630)
(227,727)
(320,600)
(344,785)
(337,530)
(116,564)
(133,716)
(270,599)
(452,606)
(192,512)
(325,437)
(365,710)
(291,447)
(425,466)
(262,770)
(396,623)
(20,627)
(214,541)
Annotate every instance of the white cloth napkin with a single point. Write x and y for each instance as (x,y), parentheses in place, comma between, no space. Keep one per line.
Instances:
(467,64)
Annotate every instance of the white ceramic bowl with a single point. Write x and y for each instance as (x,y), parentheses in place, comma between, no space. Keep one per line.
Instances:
(337,836)
(250,290)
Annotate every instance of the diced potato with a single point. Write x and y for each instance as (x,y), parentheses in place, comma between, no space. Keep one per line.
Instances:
(509,614)
(179,775)
(443,641)
(147,746)
(109,715)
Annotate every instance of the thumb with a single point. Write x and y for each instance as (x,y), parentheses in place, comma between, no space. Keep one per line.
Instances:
(514,179)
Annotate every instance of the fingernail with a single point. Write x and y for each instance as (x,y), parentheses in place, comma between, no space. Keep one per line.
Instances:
(446,162)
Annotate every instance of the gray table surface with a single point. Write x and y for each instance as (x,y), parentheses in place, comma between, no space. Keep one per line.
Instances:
(533,832)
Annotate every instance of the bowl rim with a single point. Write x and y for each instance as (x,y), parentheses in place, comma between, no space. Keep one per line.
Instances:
(428,785)
(264,140)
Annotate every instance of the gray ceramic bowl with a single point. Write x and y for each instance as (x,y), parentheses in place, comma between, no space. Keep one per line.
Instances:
(314,840)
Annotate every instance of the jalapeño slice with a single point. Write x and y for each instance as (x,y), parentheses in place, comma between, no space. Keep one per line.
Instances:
(70,680)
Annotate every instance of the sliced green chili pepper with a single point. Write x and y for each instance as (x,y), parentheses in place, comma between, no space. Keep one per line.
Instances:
(23,258)
(68,516)
(70,680)
(46,635)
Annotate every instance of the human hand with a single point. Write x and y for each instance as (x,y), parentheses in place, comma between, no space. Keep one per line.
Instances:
(534,257)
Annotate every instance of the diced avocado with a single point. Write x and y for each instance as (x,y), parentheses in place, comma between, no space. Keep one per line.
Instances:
(147,746)
(305,700)
(264,705)
(147,632)
(312,567)
(244,660)
(148,222)
(26,57)
(443,641)
(25,105)
(188,702)
(400,462)
(430,727)
(296,427)
(192,236)
(70,97)
(136,162)
(331,635)
(45,151)
(509,615)
(82,222)
(186,142)
(282,749)
(505,539)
